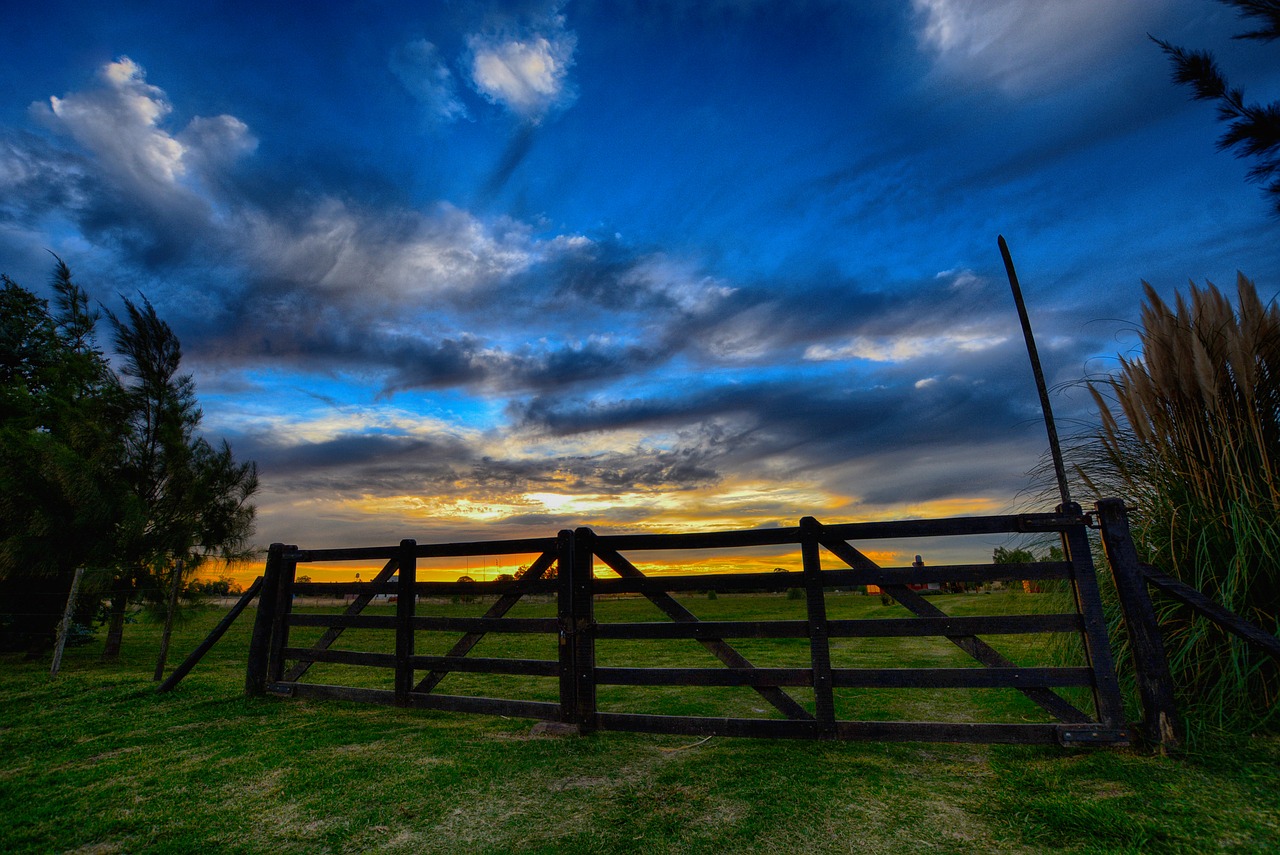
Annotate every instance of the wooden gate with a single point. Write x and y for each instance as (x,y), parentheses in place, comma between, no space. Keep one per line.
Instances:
(809,699)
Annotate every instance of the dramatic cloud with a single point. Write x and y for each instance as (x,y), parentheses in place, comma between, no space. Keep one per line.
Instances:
(119,123)
(434,302)
(527,75)
(1023,48)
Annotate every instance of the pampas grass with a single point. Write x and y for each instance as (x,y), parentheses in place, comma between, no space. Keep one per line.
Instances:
(1190,439)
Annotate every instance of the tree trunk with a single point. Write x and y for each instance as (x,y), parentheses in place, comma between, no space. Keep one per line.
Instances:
(169,613)
(65,626)
(115,624)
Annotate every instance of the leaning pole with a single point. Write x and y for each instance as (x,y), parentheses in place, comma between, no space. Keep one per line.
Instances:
(1055,449)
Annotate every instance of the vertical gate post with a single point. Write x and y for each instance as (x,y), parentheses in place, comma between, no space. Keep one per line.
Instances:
(283,608)
(255,679)
(566,554)
(406,602)
(584,635)
(819,639)
(1160,723)
(1084,581)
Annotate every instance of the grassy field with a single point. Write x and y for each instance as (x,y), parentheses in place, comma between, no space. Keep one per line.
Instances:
(96,761)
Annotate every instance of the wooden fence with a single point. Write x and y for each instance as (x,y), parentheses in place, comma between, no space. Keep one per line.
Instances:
(829,560)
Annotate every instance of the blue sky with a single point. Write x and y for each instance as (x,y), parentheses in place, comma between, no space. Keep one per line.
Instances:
(462,270)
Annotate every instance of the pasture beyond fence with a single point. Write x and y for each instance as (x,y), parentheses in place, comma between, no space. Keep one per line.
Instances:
(804,698)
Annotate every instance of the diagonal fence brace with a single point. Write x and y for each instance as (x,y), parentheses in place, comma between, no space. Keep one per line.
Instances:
(1047,699)
(334,632)
(503,605)
(722,650)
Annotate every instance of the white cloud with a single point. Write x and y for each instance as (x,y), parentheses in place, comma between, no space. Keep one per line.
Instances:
(528,75)
(1020,47)
(424,74)
(119,123)
(962,279)
(404,255)
(902,348)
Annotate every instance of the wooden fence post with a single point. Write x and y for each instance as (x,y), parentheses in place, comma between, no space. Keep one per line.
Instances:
(584,636)
(1084,581)
(566,555)
(283,607)
(1160,723)
(255,680)
(406,602)
(819,639)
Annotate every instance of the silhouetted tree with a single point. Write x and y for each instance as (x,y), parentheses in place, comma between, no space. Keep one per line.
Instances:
(194,498)
(1253,129)
(61,447)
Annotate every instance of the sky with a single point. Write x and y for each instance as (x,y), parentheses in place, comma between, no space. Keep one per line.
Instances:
(475,270)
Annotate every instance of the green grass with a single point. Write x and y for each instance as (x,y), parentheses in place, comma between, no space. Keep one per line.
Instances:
(96,761)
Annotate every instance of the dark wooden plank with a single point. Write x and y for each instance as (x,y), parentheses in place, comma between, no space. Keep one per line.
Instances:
(730,582)
(504,604)
(337,590)
(280,621)
(491,588)
(785,704)
(1160,721)
(707,726)
(721,582)
(427,623)
(538,710)
(865,628)
(705,676)
(946,731)
(876,731)
(521,546)
(359,553)
(321,691)
(706,629)
(819,644)
(344,657)
(970,573)
(700,540)
(951,625)
(406,605)
(479,665)
(1106,689)
(218,631)
(481,625)
(333,633)
(953,526)
(975,647)
(345,621)
(1187,595)
(960,678)
(255,678)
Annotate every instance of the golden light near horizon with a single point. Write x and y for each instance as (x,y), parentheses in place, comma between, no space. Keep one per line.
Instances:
(739,506)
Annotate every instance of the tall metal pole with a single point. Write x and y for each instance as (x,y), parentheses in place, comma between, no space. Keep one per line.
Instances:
(1054,448)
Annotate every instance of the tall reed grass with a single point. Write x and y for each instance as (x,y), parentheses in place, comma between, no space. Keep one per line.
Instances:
(1190,439)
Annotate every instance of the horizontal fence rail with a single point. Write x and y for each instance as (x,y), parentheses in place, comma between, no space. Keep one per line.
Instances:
(577,568)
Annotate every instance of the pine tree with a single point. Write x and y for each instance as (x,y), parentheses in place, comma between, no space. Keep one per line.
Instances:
(1253,130)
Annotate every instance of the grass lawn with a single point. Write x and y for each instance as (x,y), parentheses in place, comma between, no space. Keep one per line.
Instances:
(96,761)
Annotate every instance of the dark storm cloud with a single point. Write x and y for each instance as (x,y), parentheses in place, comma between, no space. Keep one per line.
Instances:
(813,413)
(444,465)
